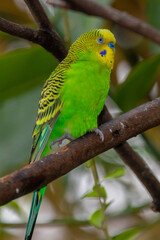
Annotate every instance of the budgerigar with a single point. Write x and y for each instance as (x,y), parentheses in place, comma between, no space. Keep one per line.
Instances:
(72,98)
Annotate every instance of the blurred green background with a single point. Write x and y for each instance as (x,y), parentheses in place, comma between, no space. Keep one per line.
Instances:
(135,79)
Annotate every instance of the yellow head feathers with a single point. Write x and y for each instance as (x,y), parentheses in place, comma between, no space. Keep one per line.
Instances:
(101,42)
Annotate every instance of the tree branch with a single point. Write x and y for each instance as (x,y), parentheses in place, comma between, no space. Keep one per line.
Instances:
(77,152)
(46,36)
(134,161)
(53,41)
(18,30)
(107,12)
(39,14)
(62,5)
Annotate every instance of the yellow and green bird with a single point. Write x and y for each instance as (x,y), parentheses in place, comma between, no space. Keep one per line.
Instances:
(71,99)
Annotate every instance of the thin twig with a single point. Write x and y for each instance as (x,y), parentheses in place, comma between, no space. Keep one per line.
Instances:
(60,4)
(104,223)
(67,28)
(56,164)
(58,222)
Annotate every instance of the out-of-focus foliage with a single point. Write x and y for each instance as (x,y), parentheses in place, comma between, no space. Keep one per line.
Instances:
(71,208)
(137,85)
(153,9)
(23,70)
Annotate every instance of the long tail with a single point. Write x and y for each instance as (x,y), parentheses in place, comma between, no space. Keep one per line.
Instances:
(40,149)
(36,153)
(36,202)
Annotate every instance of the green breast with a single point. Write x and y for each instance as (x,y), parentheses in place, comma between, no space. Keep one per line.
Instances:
(83,95)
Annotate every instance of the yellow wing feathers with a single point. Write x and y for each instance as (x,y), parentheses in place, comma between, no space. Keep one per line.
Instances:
(50,102)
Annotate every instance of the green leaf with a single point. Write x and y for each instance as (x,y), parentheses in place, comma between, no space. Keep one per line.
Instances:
(116,173)
(137,85)
(96,218)
(94,193)
(127,234)
(23,69)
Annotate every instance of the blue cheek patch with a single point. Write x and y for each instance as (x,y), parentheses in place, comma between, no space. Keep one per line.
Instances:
(111,45)
(103,53)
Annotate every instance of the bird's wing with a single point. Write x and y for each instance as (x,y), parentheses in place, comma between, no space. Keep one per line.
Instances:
(48,111)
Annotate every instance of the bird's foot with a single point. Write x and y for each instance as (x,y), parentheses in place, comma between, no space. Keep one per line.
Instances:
(99,132)
(60,139)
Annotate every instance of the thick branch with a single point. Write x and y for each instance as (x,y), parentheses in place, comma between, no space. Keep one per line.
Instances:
(77,152)
(107,12)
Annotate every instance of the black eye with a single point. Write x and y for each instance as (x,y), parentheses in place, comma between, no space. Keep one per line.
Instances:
(100,40)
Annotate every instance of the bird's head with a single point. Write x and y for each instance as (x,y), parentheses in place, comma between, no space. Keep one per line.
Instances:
(100,42)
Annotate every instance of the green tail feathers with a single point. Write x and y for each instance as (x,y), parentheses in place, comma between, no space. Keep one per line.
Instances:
(40,149)
(36,202)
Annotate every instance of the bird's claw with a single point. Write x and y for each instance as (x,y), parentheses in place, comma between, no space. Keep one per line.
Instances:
(60,139)
(99,132)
